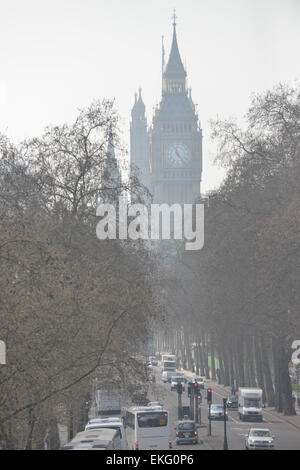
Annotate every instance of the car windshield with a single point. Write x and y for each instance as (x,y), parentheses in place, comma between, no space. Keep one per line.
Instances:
(252,403)
(217,407)
(260,433)
(178,379)
(198,379)
(233,398)
(169,364)
(186,426)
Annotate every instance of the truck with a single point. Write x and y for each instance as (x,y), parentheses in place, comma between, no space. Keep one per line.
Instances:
(250,404)
(168,370)
(168,357)
(108,401)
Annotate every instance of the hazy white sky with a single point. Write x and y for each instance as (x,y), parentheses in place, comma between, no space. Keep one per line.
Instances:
(59,55)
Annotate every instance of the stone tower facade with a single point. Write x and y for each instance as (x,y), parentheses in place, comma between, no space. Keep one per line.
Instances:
(174,140)
(139,142)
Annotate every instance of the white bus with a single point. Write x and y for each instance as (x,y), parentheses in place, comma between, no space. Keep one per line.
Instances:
(147,428)
(112,423)
(95,439)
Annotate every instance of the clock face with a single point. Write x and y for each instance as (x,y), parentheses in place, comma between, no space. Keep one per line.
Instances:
(178,155)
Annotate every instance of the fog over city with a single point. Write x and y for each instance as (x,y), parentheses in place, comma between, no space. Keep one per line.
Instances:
(149,227)
(58,56)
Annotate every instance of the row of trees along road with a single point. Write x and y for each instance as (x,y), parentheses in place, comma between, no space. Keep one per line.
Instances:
(238,298)
(72,307)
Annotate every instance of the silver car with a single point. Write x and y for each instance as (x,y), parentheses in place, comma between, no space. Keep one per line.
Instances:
(217,412)
(259,439)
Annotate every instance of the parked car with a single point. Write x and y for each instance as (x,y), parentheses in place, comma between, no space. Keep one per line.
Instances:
(217,412)
(186,432)
(259,439)
(232,402)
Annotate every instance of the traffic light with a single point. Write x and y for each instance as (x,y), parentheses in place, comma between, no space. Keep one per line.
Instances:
(209,396)
(196,389)
(189,390)
(179,388)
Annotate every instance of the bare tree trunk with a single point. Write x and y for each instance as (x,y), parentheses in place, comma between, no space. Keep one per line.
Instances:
(251,363)
(205,350)
(240,364)
(270,395)
(276,360)
(221,366)
(258,366)
(31,423)
(232,373)
(288,406)
(201,357)
(212,353)
(226,368)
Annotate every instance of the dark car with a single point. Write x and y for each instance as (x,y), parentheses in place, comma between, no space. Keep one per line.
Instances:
(232,402)
(186,432)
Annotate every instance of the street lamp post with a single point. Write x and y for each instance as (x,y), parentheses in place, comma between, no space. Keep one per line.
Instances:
(225,429)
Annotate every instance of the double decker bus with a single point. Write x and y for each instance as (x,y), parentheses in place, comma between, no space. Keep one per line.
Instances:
(147,428)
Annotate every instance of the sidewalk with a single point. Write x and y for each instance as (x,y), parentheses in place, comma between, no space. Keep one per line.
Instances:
(292,420)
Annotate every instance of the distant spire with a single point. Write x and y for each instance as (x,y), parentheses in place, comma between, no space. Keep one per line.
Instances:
(162,55)
(111,176)
(175,65)
(110,145)
(174,17)
(138,110)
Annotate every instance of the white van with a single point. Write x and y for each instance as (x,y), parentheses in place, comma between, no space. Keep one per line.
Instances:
(111,423)
(250,404)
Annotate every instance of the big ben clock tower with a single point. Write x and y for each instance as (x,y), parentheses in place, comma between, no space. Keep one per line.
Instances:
(175,138)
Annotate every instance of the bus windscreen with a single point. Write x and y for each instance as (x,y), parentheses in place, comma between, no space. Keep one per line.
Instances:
(152,420)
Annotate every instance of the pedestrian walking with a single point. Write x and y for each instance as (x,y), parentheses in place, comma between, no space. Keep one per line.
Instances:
(298,401)
(233,389)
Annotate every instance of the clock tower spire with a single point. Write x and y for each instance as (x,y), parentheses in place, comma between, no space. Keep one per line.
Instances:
(175,137)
